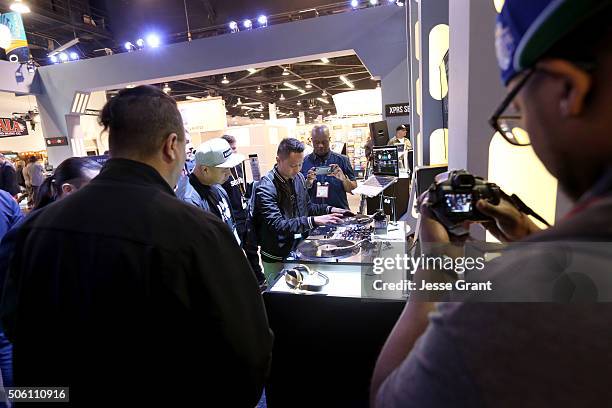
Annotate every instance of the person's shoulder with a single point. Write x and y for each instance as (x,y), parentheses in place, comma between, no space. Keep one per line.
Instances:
(8,200)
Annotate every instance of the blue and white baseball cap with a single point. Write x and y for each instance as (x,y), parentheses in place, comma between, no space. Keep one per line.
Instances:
(527,29)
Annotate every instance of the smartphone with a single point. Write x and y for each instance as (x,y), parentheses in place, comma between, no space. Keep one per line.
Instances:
(323,171)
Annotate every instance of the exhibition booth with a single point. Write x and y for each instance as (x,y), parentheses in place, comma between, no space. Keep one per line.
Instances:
(331,335)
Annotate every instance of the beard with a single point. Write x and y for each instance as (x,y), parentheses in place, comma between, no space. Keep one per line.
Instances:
(576,183)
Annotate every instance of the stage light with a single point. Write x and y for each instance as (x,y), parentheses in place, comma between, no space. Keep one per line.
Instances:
(285,72)
(128,46)
(282,97)
(225,81)
(153,40)
(259,90)
(19,7)
(308,85)
(53,59)
(166,89)
(323,93)
(63,56)
(325,60)
(400,3)
(140,42)
(252,70)
(263,21)
(299,103)
(324,100)
(74,56)
(233,26)
(354,3)
(248,24)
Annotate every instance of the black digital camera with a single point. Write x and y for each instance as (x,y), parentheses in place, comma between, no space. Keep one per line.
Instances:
(453,196)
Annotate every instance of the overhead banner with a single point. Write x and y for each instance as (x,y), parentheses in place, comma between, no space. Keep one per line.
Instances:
(10,127)
(13,37)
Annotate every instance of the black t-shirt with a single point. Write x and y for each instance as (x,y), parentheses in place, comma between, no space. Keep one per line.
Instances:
(237,202)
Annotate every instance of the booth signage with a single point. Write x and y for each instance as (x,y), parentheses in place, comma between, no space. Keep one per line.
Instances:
(397,109)
(57,141)
(12,127)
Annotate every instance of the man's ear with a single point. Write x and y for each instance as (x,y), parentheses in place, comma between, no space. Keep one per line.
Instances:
(68,188)
(577,84)
(277,160)
(170,147)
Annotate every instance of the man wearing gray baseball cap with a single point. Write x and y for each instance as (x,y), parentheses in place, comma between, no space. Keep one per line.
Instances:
(213,161)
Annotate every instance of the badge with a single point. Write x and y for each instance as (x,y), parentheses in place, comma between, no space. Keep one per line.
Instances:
(322,190)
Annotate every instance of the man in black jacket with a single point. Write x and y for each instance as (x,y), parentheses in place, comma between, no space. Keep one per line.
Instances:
(283,213)
(124,293)
(8,177)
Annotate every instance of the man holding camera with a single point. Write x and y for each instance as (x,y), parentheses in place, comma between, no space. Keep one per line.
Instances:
(555,57)
(329,175)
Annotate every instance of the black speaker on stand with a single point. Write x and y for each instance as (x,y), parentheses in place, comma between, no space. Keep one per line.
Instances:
(380,133)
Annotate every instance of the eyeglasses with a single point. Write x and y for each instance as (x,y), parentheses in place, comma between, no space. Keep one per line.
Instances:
(507,122)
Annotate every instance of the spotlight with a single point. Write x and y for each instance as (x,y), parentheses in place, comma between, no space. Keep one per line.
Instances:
(251,70)
(19,7)
(321,110)
(74,56)
(373,2)
(323,93)
(166,89)
(140,42)
(128,46)
(259,90)
(53,59)
(282,97)
(233,26)
(329,112)
(299,103)
(248,24)
(308,85)
(400,3)
(63,57)
(153,40)
(354,3)
(325,60)
(285,72)
(263,21)
(225,81)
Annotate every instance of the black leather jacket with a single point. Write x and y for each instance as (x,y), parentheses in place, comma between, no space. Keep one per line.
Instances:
(283,214)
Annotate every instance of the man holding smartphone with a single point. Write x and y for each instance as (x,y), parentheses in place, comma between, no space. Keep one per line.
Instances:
(329,175)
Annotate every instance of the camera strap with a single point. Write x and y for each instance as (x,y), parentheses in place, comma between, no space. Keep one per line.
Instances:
(524,208)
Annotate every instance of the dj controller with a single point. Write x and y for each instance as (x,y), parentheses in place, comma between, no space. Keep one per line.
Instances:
(334,242)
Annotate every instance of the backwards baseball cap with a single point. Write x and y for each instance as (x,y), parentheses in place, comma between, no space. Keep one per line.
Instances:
(527,29)
(217,153)
(402,127)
